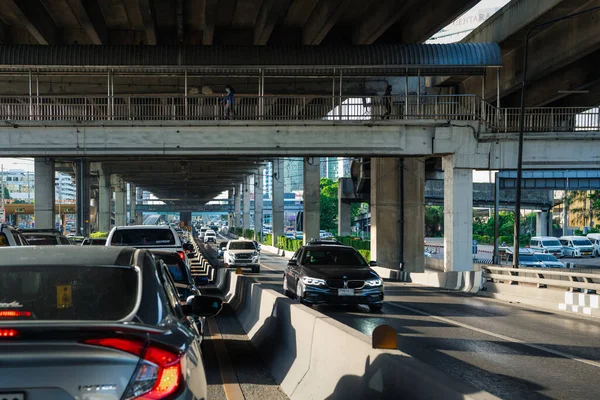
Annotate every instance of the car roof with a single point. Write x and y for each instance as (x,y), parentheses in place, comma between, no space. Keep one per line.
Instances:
(40,233)
(572,237)
(543,238)
(327,246)
(66,255)
(130,227)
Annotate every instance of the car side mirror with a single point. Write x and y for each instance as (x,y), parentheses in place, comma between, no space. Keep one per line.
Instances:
(203,306)
(372,263)
(201,280)
(188,247)
(292,262)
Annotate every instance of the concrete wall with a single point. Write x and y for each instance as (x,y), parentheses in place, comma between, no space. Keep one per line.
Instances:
(315,357)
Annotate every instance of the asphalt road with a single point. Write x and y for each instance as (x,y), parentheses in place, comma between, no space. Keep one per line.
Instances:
(510,351)
(234,368)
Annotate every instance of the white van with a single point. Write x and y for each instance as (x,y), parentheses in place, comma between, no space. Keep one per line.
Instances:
(595,239)
(546,244)
(577,246)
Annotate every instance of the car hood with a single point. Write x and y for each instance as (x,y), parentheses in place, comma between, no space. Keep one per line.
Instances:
(329,272)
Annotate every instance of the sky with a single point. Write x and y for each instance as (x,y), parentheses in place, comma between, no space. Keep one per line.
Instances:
(452,33)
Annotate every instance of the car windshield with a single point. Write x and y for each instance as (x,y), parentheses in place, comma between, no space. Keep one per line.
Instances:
(176,267)
(67,292)
(143,237)
(242,246)
(582,242)
(554,242)
(527,258)
(42,240)
(546,257)
(333,257)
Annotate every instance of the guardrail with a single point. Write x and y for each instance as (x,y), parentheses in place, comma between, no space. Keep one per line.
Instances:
(574,281)
(294,108)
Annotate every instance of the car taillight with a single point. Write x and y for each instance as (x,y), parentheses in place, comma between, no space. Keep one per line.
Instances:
(181,255)
(9,333)
(158,376)
(14,314)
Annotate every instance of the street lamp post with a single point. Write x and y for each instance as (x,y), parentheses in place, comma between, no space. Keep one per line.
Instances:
(522,127)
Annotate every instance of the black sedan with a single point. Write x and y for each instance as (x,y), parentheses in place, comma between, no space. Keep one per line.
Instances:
(97,322)
(332,274)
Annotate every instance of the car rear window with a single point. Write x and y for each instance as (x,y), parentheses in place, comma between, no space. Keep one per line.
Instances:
(551,243)
(143,237)
(242,246)
(334,257)
(42,240)
(67,292)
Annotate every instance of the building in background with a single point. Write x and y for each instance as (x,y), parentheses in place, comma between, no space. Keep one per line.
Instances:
(20,185)
(293,172)
(65,188)
(268,181)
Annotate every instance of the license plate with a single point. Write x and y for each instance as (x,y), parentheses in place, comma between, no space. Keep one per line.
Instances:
(586,253)
(12,396)
(345,292)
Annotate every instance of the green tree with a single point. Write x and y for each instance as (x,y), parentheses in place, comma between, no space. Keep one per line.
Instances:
(434,221)
(6,193)
(329,204)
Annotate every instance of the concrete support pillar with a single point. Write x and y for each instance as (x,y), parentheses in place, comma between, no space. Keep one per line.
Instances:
(104,198)
(186,217)
(278,204)
(458,217)
(312,198)
(83,197)
(120,204)
(386,210)
(413,198)
(139,216)
(132,204)
(237,208)
(44,193)
(550,224)
(258,203)
(344,217)
(541,223)
(246,204)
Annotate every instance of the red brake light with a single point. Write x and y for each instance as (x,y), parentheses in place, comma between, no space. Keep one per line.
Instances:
(14,314)
(161,364)
(9,333)
(181,255)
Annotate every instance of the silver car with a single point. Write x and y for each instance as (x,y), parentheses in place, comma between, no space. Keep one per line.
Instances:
(96,323)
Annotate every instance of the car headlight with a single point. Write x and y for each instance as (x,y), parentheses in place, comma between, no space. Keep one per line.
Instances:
(313,281)
(232,255)
(374,282)
(255,253)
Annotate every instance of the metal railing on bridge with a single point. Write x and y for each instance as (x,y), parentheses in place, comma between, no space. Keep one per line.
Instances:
(545,277)
(294,108)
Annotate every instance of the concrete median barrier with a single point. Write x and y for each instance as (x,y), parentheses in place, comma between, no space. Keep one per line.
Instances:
(312,356)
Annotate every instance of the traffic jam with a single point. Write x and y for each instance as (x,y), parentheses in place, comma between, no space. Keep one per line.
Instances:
(124,317)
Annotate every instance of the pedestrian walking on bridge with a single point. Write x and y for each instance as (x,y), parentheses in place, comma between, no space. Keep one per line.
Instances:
(229,101)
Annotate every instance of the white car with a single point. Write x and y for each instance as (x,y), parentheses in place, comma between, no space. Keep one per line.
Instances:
(577,246)
(595,239)
(210,236)
(155,237)
(242,253)
(546,244)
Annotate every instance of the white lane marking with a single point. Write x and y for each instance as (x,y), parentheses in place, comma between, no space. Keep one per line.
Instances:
(499,336)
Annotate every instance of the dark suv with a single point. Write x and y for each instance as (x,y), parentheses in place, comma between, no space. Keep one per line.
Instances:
(332,274)
(45,237)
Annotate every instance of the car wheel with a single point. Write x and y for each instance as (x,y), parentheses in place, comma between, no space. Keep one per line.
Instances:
(375,307)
